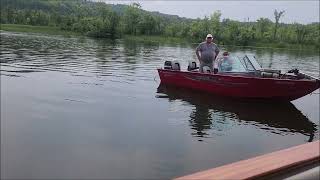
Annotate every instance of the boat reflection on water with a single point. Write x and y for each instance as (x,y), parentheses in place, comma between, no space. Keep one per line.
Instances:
(211,112)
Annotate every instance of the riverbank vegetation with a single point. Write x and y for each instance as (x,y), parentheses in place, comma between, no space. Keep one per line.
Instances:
(36,29)
(98,19)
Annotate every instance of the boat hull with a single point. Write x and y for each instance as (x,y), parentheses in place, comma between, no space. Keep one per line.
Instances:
(239,86)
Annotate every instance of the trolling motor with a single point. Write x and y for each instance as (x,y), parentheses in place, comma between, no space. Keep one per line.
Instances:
(294,71)
(297,73)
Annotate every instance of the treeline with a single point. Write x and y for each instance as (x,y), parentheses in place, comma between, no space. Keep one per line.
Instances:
(104,20)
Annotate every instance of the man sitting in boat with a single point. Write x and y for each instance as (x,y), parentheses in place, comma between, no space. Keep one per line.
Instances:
(226,63)
(208,53)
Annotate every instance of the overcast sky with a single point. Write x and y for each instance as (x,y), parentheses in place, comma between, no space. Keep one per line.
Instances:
(295,11)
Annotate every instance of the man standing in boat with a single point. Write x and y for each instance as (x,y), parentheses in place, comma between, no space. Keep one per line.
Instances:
(208,53)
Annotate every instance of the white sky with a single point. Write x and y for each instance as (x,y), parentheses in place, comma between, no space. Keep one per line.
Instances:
(295,11)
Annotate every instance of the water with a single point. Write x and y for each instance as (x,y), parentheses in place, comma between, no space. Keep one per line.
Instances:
(85,108)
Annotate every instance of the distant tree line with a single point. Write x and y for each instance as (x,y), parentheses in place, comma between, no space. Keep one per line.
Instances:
(104,20)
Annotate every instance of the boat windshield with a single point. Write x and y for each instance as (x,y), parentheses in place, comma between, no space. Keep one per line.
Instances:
(230,64)
(250,63)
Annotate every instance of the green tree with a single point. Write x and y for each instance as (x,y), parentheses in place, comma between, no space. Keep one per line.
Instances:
(263,25)
(172,30)
(277,16)
(131,18)
(215,23)
(301,32)
(231,31)
(147,25)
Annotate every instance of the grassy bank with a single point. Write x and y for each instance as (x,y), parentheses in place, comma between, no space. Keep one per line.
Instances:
(56,31)
(276,46)
(282,45)
(35,29)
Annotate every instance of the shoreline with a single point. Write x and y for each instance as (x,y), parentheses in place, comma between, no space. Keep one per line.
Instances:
(51,30)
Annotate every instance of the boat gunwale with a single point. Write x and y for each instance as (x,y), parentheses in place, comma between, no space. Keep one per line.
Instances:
(314,80)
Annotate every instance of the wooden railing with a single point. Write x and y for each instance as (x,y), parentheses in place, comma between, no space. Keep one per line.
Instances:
(264,165)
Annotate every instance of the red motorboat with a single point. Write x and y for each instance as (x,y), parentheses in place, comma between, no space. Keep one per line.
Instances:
(241,78)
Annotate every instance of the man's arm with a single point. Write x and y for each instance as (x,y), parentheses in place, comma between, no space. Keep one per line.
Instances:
(217,52)
(197,53)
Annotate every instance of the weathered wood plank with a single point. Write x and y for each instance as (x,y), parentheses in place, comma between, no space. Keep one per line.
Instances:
(263,165)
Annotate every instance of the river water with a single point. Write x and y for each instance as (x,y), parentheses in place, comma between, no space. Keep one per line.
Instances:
(87,108)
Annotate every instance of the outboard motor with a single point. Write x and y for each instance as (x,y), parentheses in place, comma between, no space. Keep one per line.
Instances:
(206,69)
(175,65)
(192,65)
(167,65)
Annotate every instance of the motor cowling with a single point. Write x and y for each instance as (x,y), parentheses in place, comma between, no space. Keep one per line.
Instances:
(167,65)
(192,65)
(206,69)
(173,65)
(176,65)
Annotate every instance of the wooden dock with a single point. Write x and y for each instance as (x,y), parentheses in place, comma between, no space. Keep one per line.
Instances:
(267,165)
